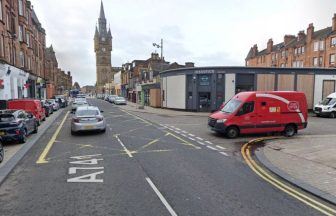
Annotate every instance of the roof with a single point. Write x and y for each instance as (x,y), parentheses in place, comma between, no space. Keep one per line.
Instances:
(323,33)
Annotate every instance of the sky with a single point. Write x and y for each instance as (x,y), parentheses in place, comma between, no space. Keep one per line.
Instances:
(208,33)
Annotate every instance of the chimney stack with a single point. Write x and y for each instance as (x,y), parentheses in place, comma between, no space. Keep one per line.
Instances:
(255,50)
(269,45)
(310,32)
(301,35)
(334,22)
(190,64)
(288,38)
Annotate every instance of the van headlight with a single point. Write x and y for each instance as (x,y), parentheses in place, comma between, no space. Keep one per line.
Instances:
(221,120)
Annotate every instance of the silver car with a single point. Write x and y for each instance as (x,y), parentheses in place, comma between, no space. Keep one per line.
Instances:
(88,118)
(78,102)
(120,100)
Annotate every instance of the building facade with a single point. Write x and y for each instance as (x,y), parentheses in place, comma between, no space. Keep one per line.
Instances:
(103,49)
(307,49)
(204,89)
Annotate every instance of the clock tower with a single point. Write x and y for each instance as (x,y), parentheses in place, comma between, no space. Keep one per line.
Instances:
(103,49)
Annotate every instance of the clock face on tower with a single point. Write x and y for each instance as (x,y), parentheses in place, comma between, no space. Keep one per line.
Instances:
(103,39)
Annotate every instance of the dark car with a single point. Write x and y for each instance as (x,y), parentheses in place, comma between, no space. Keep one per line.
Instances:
(16,125)
(2,151)
(48,108)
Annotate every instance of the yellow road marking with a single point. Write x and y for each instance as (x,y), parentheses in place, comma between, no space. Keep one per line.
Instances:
(245,150)
(150,143)
(42,158)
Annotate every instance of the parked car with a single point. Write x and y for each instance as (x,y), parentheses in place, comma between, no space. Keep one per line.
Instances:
(47,107)
(88,118)
(78,102)
(261,112)
(120,101)
(16,125)
(2,151)
(111,98)
(29,105)
(54,104)
(61,100)
(327,107)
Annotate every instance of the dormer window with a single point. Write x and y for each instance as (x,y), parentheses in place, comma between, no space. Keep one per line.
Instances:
(103,39)
(103,49)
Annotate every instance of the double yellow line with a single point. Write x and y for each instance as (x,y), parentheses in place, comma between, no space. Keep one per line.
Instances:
(246,152)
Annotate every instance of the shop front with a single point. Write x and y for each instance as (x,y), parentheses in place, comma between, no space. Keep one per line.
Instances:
(40,88)
(12,82)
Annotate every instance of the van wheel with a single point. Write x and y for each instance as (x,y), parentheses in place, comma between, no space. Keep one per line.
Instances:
(290,130)
(232,132)
(332,115)
(73,133)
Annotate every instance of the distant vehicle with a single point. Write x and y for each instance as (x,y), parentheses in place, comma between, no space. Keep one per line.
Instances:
(261,112)
(327,107)
(16,125)
(111,98)
(2,151)
(54,104)
(61,100)
(88,119)
(47,107)
(120,101)
(78,102)
(29,105)
(81,96)
(73,93)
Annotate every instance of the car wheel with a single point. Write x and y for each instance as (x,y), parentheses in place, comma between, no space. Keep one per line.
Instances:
(332,115)
(35,128)
(290,130)
(104,130)
(232,132)
(23,138)
(73,133)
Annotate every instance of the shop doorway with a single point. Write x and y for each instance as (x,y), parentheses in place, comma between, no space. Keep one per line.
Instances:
(204,101)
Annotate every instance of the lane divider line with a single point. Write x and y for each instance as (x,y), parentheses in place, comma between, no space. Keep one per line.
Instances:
(200,143)
(209,142)
(161,197)
(290,190)
(125,149)
(221,147)
(199,138)
(210,147)
(42,159)
(191,135)
(224,153)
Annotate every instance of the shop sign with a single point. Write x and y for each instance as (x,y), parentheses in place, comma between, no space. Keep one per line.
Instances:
(204,71)
(204,80)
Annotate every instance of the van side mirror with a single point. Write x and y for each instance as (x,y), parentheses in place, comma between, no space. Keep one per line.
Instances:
(101,111)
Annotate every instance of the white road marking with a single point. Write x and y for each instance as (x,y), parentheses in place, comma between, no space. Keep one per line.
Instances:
(210,147)
(178,129)
(184,135)
(191,135)
(163,200)
(223,153)
(221,147)
(209,142)
(92,178)
(191,138)
(126,150)
(184,131)
(85,156)
(200,143)
(199,138)
(178,132)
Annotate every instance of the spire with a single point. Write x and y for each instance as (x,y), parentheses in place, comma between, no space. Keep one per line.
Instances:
(109,33)
(96,32)
(102,13)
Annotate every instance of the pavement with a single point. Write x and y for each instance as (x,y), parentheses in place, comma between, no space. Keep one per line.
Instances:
(139,166)
(308,161)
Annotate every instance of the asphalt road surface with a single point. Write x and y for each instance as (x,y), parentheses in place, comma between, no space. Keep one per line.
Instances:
(139,167)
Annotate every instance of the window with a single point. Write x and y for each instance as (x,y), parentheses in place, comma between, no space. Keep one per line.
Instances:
(248,107)
(315,61)
(1,46)
(29,63)
(103,39)
(333,41)
(103,49)
(22,59)
(295,51)
(332,59)
(320,61)
(1,17)
(302,49)
(321,45)
(14,55)
(28,39)
(21,7)
(282,65)
(7,21)
(316,45)
(283,54)
(20,33)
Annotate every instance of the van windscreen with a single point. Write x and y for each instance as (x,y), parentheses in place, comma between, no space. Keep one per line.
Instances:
(231,106)
(328,101)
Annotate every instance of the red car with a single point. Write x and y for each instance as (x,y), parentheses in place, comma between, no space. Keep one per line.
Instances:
(29,105)
(261,112)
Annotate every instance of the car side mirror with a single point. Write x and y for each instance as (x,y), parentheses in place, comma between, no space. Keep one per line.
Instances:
(101,111)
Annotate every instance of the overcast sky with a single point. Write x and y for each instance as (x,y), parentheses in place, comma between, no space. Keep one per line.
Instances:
(209,33)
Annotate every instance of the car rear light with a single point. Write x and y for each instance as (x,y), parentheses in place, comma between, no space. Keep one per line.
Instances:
(17,132)
(99,119)
(76,120)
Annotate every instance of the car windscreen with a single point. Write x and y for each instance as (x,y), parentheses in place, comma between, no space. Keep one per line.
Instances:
(328,101)
(6,118)
(231,106)
(87,112)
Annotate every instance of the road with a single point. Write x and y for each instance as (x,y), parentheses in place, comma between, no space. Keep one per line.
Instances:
(140,166)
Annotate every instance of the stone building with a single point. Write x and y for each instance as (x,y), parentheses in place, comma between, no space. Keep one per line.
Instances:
(307,49)
(103,49)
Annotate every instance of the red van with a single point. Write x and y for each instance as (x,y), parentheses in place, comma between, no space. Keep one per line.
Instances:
(29,105)
(261,112)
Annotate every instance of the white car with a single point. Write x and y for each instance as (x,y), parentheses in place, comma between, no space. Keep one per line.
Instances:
(88,118)
(120,101)
(54,104)
(78,102)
